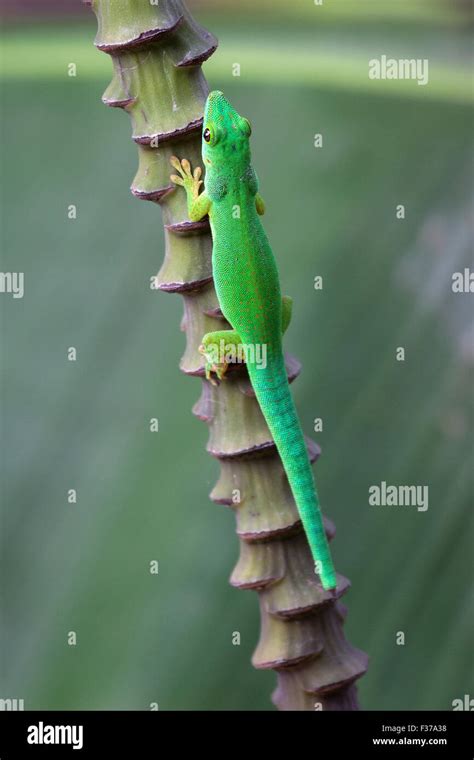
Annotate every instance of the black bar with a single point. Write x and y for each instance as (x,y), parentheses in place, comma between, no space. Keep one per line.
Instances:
(159,734)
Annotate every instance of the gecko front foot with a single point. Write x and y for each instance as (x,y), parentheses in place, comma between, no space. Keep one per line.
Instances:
(191,182)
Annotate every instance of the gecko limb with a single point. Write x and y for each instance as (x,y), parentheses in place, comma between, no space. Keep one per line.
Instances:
(198,205)
(259,204)
(217,347)
(286,310)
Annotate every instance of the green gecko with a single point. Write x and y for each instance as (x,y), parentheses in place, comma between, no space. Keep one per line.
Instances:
(248,289)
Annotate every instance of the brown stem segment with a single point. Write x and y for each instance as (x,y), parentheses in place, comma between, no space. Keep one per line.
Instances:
(157,52)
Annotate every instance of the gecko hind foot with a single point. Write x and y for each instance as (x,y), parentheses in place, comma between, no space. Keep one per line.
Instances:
(211,366)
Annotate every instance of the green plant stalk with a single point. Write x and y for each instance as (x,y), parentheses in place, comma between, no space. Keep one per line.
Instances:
(157,51)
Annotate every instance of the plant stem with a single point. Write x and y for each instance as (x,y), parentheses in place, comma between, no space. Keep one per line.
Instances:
(157,51)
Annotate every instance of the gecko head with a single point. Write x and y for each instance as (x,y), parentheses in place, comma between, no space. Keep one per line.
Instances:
(225,134)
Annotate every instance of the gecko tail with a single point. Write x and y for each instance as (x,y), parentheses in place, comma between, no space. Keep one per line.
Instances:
(274,396)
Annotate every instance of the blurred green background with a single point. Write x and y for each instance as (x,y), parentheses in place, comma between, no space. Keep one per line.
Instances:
(84,567)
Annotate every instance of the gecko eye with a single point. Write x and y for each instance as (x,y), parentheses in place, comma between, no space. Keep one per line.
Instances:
(207,135)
